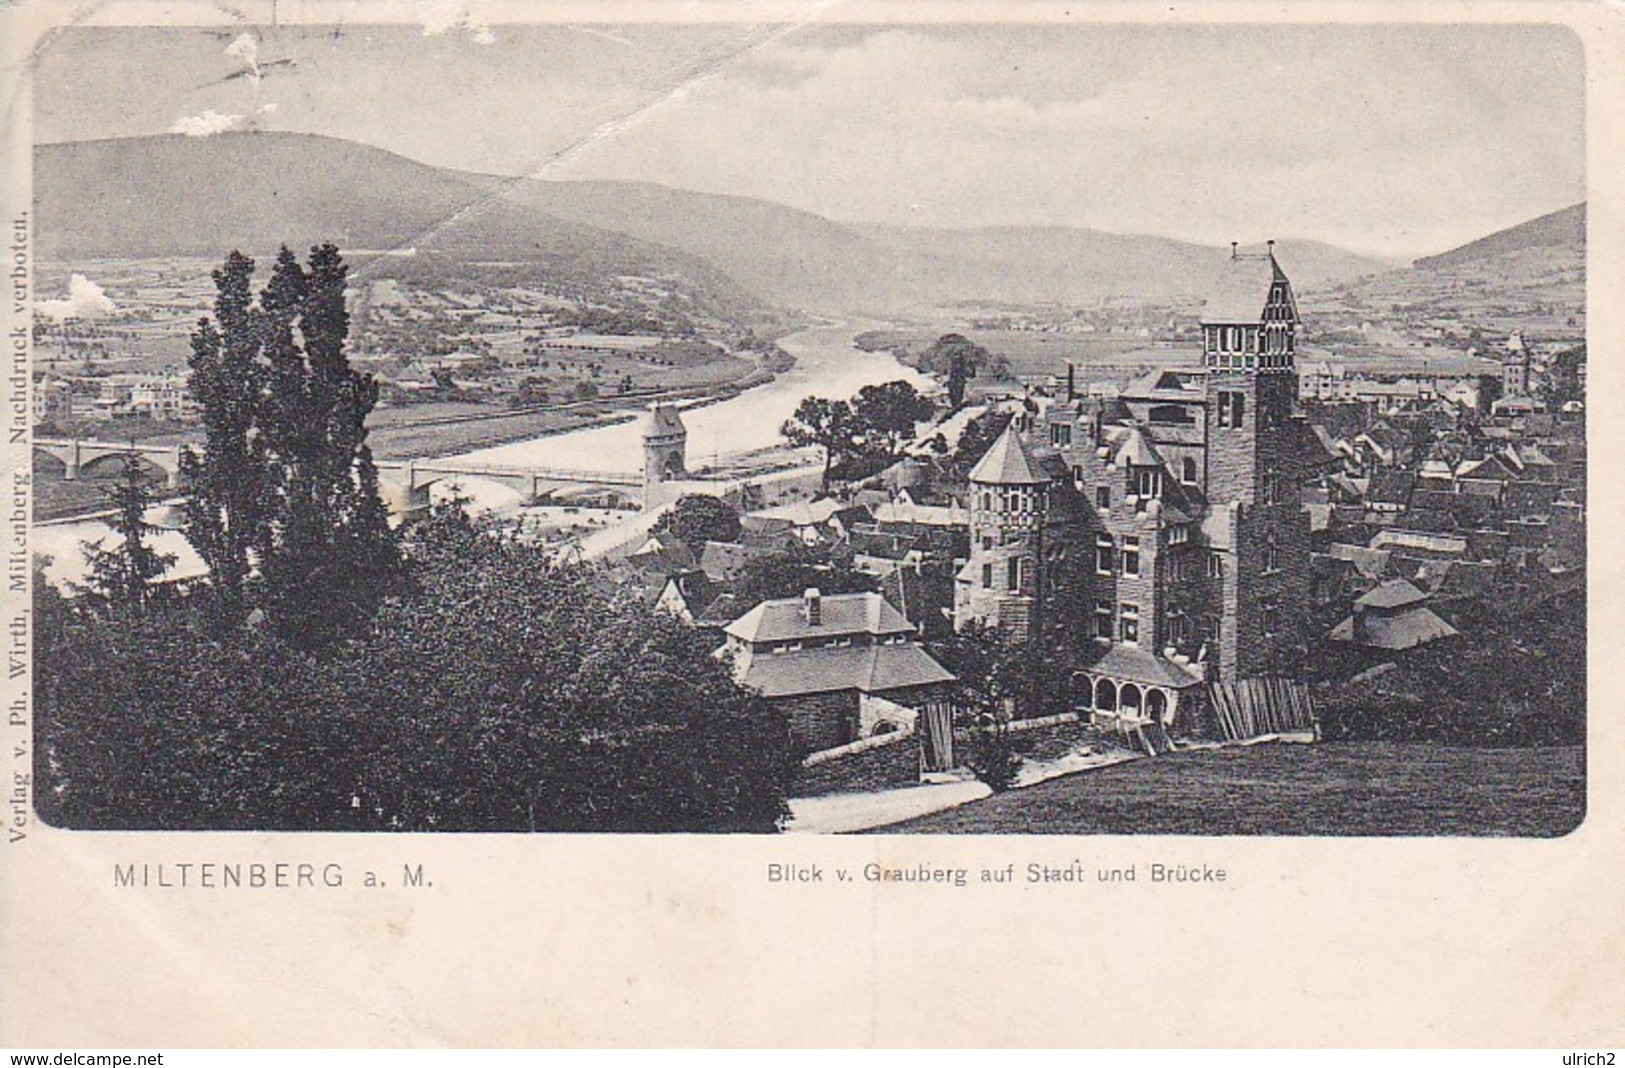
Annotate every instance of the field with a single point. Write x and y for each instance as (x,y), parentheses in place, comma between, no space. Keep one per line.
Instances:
(1330,789)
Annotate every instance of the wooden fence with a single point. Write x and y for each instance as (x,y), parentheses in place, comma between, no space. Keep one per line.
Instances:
(1248,708)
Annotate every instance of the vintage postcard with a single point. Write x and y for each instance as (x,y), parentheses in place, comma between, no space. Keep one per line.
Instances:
(811,524)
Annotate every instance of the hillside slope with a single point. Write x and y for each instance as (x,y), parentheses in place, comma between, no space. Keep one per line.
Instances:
(1561,229)
(185,196)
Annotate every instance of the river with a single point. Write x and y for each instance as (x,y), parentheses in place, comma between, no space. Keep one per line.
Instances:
(827,364)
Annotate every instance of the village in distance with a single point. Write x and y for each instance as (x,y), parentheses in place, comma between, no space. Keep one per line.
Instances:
(613,537)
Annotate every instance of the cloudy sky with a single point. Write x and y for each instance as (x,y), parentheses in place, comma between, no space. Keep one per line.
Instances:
(1397,141)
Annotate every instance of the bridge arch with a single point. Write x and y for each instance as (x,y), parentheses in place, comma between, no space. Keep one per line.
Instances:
(77,456)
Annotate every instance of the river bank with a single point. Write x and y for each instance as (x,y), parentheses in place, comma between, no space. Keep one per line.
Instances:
(434,431)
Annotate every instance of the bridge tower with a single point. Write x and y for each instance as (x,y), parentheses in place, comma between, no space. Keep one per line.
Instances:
(665,452)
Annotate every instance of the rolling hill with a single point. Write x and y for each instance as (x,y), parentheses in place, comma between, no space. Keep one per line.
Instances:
(174,195)
(184,196)
(1564,229)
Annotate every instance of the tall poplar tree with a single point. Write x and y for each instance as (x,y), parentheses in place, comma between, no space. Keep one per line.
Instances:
(225,509)
(285,507)
(332,555)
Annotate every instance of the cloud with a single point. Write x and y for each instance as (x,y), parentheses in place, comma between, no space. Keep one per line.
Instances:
(245,47)
(210,122)
(439,16)
(86,300)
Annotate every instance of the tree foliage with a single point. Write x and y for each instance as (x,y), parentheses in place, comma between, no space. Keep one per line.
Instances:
(887,413)
(122,577)
(778,575)
(831,425)
(284,495)
(958,359)
(500,692)
(978,437)
(697,518)
(864,432)
(225,507)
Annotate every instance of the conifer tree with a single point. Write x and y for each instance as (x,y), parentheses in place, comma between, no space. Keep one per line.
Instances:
(122,577)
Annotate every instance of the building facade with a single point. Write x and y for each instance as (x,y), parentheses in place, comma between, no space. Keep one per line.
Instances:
(1158,541)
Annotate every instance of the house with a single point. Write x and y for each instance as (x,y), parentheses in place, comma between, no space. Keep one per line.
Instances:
(842,666)
(1392,617)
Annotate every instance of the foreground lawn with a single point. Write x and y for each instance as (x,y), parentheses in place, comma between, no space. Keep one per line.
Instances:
(1341,788)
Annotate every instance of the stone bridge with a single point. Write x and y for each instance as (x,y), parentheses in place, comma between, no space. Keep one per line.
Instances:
(78,456)
(413,475)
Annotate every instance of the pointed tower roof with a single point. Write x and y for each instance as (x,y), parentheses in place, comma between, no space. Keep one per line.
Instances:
(1243,288)
(663,422)
(1008,463)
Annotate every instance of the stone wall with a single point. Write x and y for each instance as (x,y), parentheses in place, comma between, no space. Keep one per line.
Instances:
(878,763)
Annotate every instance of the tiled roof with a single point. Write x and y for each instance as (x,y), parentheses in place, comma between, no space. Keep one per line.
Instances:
(1242,290)
(1394,593)
(1372,563)
(1126,663)
(1419,539)
(1165,383)
(1008,463)
(870,669)
(840,613)
(724,561)
(931,514)
(1404,630)
(802,513)
(1136,450)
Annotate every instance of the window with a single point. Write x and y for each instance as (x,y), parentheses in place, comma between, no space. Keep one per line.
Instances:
(1128,621)
(1170,415)
(1272,618)
(987,576)
(1178,626)
(987,541)
(1103,498)
(1272,556)
(1232,408)
(1131,556)
(1179,534)
(1103,554)
(1104,622)
(1271,487)
(1013,573)
(1060,434)
(1176,567)
(1077,477)
(1215,565)
(987,501)
(1147,482)
(1187,471)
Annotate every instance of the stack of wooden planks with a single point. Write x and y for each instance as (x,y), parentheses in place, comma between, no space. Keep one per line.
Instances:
(1248,708)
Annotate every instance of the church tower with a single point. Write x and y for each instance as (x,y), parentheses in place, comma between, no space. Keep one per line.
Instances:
(1009,499)
(665,452)
(1256,529)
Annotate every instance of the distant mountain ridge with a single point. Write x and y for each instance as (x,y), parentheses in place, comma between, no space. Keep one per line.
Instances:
(186,196)
(1565,228)
(176,195)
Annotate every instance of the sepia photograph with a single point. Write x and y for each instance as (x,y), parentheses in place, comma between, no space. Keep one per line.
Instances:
(796,428)
(810,523)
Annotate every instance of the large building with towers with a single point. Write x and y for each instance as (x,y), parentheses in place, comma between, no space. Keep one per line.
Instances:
(1157,540)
